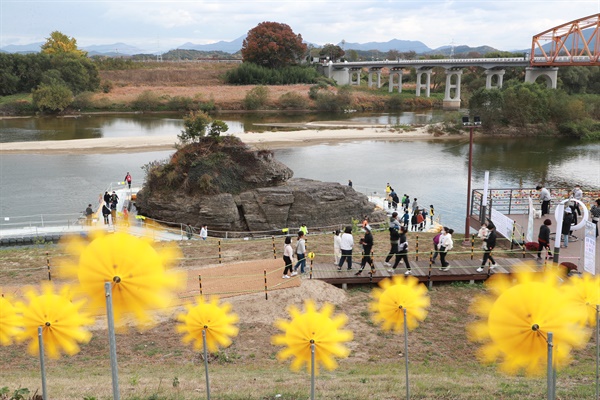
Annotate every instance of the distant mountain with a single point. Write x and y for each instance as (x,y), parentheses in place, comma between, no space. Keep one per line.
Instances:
(228,47)
(394,44)
(114,49)
(25,48)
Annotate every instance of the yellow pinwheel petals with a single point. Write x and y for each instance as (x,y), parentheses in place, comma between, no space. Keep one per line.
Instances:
(216,320)
(585,294)
(310,327)
(397,294)
(59,316)
(138,273)
(518,320)
(10,321)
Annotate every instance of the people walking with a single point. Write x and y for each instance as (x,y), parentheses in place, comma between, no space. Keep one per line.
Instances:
(105,213)
(347,242)
(128,179)
(189,231)
(446,244)
(489,242)
(300,253)
(436,241)
(288,253)
(577,195)
(402,254)
(367,244)
(204,232)
(414,220)
(431,213)
(394,237)
(106,199)
(544,239)
(89,213)
(337,250)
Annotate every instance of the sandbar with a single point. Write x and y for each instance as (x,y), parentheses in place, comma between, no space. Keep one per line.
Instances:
(321,133)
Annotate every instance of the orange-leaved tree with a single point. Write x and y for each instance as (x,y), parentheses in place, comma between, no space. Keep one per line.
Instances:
(273,45)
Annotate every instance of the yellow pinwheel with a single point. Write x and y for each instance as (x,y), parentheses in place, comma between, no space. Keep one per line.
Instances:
(395,295)
(312,327)
(10,321)
(62,321)
(138,272)
(585,294)
(215,320)
(516,319)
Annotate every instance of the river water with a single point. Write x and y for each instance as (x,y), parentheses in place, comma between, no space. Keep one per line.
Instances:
(434,172)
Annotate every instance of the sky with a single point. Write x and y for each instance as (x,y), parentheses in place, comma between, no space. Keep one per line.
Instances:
(158,26)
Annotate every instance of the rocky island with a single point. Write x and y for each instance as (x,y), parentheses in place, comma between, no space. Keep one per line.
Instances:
(231,187)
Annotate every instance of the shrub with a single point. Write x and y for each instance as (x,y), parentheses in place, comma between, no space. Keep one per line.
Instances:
(256,98)
(147,100)
(252,74)
(293,100)
(182,103)
(83,101)
(52,98)
(17,107)
(106,86)
(394,102)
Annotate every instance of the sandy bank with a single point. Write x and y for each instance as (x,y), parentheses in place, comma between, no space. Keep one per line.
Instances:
(315,134)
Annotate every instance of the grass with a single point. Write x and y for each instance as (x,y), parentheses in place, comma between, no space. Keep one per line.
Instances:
(154,364)
(15,97)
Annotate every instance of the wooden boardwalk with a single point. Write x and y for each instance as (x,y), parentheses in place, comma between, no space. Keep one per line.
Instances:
(460,271)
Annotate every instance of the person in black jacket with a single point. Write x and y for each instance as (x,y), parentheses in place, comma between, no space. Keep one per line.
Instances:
(544,238)
(566,225)
(367,244)
(489,242)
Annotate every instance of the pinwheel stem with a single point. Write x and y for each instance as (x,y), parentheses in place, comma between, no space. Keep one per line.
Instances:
(406,353)
(550,378)
(42,364)
(112,341)
(597,351)
(206,362)
(312,369)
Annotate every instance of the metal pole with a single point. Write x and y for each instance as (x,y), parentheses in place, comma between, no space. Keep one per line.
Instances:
(406,353)
(597,351)
(112,342)
(558,238)
(312,370)
(467,225)
(484,200)
(550,370)
(42,364)
(206,362)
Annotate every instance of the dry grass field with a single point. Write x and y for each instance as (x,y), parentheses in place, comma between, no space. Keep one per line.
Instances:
(155,364)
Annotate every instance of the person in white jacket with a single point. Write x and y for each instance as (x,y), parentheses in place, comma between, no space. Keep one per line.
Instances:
(337,249)
(347,242)
(444,246)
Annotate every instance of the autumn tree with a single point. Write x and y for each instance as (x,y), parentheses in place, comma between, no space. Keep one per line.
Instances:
(332,51)
(59,43)
(273,45)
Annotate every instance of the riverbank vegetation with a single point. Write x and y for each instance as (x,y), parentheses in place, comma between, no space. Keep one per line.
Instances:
(61,79)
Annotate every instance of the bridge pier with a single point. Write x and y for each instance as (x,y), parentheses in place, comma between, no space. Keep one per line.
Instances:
(550,75)
(392,84)
(489,78)
(420,85)
(341,76)
(355,76)
(452,102)
(373,71)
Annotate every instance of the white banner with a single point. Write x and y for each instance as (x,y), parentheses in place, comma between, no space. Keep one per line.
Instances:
(589,251)
(529,233)
(504,225)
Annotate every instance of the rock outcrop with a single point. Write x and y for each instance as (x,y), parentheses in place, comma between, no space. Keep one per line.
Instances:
(263,199)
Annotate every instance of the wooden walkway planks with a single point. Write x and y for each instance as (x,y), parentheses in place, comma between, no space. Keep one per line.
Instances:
(460,270)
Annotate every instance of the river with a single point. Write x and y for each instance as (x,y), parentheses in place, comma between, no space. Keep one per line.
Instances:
(434,172)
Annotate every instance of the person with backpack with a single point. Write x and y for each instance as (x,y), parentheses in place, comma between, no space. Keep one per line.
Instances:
(402,255)
(436,241)
(394,237)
